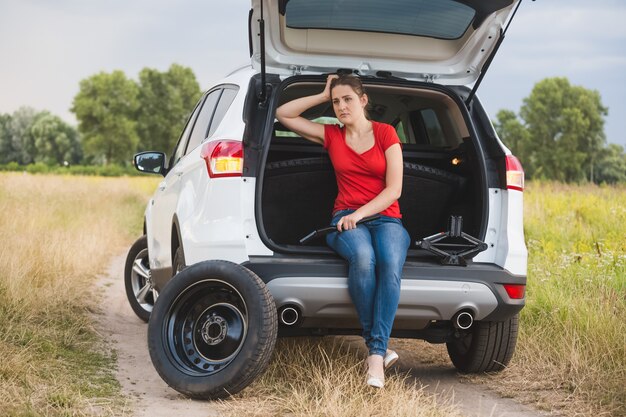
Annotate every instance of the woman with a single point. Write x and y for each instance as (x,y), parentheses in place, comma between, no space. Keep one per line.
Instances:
(367,159)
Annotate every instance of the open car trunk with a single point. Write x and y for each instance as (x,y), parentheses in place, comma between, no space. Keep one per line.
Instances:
(442,166)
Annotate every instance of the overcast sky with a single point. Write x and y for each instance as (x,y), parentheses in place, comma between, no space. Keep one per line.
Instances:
(48,46)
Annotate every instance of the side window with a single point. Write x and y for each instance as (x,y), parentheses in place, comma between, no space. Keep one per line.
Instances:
(400,131)
(225,101)
(201,126)
(182,141)
(286,133)
(433,128)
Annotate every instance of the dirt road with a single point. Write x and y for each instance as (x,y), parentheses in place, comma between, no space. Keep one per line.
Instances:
(150,396)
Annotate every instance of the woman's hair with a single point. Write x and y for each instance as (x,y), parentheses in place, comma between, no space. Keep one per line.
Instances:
(353,82)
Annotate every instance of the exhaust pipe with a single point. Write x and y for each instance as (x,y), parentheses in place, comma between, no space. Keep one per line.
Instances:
(463,320)
(289,315)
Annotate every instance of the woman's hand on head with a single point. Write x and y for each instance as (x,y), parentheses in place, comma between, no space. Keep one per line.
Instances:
(290,114)
(349,222)
(329,79)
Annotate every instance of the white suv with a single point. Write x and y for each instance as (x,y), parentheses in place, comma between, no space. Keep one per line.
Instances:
(240,191)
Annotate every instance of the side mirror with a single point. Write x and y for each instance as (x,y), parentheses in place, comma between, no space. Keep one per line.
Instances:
(150,162)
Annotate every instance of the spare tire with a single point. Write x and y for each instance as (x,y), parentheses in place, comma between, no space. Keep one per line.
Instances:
(212,330)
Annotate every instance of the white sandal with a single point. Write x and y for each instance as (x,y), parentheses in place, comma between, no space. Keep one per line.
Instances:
(372,380)
(390,358)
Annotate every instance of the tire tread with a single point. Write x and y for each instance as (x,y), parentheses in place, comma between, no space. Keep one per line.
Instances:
(491,348)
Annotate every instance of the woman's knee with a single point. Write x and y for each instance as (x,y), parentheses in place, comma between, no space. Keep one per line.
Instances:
(391,269)
(363,258)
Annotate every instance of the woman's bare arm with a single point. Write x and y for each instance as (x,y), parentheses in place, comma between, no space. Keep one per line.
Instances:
(289,114)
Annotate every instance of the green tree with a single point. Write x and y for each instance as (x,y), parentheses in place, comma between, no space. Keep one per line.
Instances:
(56,141)
(166,99)
(515,136)
(611,165)
(566,130)
(6,143)
(106,107)
(16,140)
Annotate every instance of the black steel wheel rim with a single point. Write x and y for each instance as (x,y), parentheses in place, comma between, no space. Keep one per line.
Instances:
(206,327)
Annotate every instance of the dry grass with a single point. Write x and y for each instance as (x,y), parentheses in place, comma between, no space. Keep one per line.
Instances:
(325,377)
(571,353)
(57,234)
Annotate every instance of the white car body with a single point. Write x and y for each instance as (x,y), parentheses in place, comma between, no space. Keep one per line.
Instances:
(224,230)
(217,218)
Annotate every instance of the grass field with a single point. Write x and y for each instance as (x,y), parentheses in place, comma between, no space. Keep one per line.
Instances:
(571,353)
(60,232)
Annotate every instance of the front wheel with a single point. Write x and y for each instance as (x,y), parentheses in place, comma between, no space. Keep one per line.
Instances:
(138,283)
(485,347)
(213,330)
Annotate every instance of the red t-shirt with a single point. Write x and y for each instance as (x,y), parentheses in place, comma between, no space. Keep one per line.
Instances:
(360,177)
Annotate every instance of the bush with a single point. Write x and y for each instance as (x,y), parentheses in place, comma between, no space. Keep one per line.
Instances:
(89,170)
(37,168)
(11,166)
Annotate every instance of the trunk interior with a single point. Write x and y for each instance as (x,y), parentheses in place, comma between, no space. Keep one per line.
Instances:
(441,168)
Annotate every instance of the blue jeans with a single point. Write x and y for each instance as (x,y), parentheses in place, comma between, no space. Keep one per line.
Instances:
(375,252)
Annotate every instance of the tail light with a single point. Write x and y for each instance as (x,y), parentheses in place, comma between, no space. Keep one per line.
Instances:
(514,174)
(515,291)
(224,158)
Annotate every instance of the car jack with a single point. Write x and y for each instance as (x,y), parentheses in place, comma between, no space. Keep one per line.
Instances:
(454,246)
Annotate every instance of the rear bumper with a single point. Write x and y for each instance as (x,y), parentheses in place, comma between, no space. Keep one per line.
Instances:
(429,291)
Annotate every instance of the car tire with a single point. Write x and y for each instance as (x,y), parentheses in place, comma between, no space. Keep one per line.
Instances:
(138,283)
(485,347)
(213,330)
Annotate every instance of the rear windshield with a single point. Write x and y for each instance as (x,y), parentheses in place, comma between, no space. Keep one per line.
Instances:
(445,19)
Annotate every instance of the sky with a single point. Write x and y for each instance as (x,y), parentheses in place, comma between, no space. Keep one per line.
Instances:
(48,46)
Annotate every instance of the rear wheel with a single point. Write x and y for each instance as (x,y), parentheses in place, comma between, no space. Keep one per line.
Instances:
(485,347)
(213,330)
(138,283)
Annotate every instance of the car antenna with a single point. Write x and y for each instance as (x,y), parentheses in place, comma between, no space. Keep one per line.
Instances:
(485,67)
(262,94)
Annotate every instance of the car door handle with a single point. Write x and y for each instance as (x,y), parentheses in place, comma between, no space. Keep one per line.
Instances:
(162,185)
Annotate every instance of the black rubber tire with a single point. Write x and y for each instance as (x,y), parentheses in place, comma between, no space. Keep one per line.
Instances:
(185,317)
(138,252)
(485,347)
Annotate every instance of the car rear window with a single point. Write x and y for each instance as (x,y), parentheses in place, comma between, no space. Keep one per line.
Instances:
(445,19)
